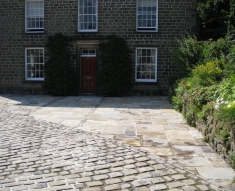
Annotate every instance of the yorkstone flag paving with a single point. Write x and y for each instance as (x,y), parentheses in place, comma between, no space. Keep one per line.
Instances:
(46,156)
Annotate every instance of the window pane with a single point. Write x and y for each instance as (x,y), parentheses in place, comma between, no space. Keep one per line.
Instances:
(34,15)
(87,15)
(34,63)
(153,75)
(81,3)
(146,14)
(146,64)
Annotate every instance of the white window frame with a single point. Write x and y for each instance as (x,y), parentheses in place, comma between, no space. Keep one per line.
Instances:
(79,15)
(139,70)
(33,63)
(33,30)
(146,29)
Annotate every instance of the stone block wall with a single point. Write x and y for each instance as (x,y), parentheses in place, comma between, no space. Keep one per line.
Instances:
(114,17)
(224,146)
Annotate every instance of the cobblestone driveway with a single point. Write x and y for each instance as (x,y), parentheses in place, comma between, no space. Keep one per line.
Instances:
(40,155)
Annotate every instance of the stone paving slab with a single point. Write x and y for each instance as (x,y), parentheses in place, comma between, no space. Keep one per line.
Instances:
(148,123)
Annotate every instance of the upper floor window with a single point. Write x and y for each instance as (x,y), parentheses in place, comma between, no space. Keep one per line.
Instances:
(146,65)
(34,63)
(147,15)
(87,15)
(34,16)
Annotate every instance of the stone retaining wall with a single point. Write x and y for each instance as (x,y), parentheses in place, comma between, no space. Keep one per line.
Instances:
(225,147)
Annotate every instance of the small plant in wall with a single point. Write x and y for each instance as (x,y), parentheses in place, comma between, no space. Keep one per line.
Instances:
(115,68)
(60,77)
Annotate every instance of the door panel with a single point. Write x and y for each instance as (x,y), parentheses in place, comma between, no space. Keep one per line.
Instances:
(88,74)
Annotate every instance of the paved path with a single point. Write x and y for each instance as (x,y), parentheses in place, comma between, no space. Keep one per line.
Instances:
(76,143)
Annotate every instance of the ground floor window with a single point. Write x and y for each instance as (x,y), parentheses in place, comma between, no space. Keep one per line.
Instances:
(34,63)
(146,65)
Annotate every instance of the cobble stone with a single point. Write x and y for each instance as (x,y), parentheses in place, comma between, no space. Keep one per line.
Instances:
(112,187)
(35,177)
(146,169)
(129,178)
(13,184)
(28,182)
(7,181)
(57,178)
(72,176)
(144,175)
(130,172)
(94,183)
(99,167)
(85,174)
(156,180)
(92,189)
(142,188)
(117,164)
(66,187)
(113,181)
(188,182)
(178,177)
(189,188)
(115,174)
(4,189)
(20,188)
(174,184)
(100,177)
(158,187)
(124,186)
(79,185)
(141,182)
(202,187)
(117,169)
(38,186)
(56,183)
(84,179)
(45,180)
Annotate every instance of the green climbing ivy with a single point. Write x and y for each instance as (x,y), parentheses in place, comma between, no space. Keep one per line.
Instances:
(60,77)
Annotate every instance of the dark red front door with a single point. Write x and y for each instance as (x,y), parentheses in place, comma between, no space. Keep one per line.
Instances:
(88,74)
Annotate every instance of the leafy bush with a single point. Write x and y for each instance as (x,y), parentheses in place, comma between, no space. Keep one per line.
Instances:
(187,55)
(115,68)
(202,95)
(225,111)
(226,89)
(217,49)
(230,65)
(216,18)
(206,75)
(60,78)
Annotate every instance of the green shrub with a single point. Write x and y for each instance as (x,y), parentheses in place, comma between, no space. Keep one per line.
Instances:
(202,95)
(226,89)
(232,161)
(187,55)
(225,111)
(115,68)
(230,65)
(60,78)
(178,98)
(206,139)
(208,109)
(216,18)
(217,49)
(208,74)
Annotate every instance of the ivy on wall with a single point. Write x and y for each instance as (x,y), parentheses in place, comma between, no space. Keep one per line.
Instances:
(60,77)
(115,66)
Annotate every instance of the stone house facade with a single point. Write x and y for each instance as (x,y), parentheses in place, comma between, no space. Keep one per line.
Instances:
(150,28)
